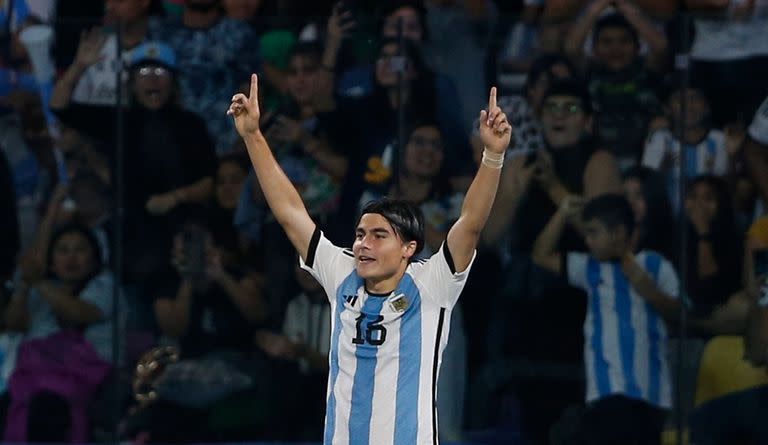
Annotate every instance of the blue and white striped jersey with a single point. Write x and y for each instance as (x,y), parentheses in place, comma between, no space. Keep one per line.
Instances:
(385,350)
(625,340)
(708,157)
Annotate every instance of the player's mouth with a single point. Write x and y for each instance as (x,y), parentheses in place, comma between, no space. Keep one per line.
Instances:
(362,259)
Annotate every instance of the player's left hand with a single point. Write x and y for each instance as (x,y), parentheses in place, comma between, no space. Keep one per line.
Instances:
(495,130)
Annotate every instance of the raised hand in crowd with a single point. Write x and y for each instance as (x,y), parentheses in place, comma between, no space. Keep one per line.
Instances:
(90,46)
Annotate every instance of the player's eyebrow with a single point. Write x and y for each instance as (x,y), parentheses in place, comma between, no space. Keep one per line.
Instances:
(377,230)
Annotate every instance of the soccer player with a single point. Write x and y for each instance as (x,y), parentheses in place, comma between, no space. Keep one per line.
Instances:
(390,313)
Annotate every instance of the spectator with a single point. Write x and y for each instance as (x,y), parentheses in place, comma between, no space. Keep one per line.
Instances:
(361,81)
(715,250)
(740,414)
(168,146)
(372,137)
(706,147)
(207,302)
(646,191)
(213,52)
(622,84)
(727,49)
(531,188)
(535,183)
(299,137)
(422,181)
(97,73)
(64,309)
(524,112)
(304,340)
(630,297)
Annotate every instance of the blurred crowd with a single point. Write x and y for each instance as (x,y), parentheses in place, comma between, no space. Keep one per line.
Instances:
(619,293)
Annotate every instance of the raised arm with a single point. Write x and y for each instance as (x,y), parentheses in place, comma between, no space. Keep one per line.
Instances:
(281,195)
(495,132)
(577,35)
(545,254)
(656,40)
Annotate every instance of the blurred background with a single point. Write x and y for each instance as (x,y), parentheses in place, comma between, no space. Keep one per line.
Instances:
(150,297)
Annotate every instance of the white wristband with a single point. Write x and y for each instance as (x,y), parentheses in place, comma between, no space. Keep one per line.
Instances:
(493,160)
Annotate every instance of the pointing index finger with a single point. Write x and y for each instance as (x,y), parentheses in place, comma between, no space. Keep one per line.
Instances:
(492,99)
(254,87)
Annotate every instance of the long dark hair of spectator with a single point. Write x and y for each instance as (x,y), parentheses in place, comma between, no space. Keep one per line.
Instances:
(441,185)
(725,239)
(421,103)
(86,233)
(655,230)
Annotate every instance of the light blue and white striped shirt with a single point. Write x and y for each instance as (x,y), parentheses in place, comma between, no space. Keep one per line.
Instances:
(625,339)
(386,350)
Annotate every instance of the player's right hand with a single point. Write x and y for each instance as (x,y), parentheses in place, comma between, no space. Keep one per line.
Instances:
(245,109)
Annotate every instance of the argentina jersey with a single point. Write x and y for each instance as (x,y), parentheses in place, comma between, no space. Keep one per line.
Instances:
(708,157)
(625,339)
(386,350)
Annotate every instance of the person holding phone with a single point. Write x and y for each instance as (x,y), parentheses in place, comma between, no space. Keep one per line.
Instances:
(206,302)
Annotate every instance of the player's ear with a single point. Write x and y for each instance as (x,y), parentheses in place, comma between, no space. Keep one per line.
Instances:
(409,249)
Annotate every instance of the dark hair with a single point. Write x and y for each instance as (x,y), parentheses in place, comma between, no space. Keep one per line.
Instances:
(543,66)
(614,21)
(85,232)
(390,7)
(406,219)
(612,210)
(571,87)
(724,222)
(656,230)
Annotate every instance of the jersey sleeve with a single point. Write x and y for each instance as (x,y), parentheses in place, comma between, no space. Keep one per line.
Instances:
(758,130)
(438,276)
(655,148)
(327,263)
(576,269)
(667,280)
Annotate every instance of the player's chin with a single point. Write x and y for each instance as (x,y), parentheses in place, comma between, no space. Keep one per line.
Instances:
(366,270)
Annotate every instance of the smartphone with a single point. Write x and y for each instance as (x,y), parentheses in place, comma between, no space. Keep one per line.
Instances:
(194,253)
(760,261)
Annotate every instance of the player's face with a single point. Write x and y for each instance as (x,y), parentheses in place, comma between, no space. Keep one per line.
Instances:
(604,244)
(379,252)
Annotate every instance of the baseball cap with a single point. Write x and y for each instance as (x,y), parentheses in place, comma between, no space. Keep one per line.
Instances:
(153,52)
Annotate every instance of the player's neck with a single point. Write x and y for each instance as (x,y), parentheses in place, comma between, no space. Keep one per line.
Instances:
(384,286)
